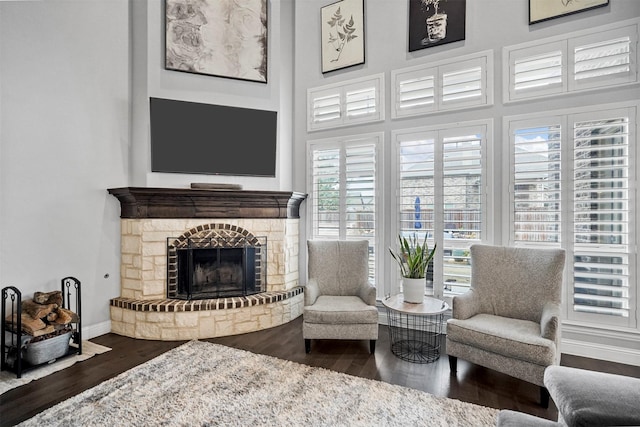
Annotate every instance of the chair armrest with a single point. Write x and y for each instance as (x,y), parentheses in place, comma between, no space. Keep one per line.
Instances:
(465,305)
(550,321)
(311,292)
(368,294)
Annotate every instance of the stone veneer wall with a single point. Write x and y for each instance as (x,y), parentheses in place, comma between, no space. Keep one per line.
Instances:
(142,310)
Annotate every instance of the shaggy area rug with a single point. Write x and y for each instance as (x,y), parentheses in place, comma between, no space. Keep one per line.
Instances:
(9,381)
(204,384)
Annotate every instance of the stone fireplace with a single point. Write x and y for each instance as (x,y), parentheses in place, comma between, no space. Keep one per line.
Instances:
(217,227)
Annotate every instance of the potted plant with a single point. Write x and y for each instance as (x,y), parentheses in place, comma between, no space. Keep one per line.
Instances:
(413,259)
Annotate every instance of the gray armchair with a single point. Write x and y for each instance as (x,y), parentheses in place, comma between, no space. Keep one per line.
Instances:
(584,398)
(339,301)
(509,320)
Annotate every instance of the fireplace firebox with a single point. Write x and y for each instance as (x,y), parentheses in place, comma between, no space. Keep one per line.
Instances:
(216,267)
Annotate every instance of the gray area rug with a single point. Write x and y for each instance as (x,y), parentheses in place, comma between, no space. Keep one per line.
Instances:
(204,384)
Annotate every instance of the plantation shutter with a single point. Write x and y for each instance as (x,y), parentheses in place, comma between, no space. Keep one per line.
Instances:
(325,108)
(464,84)
(441,196)
(536,71)
(536,186)
(602,214)
(603,59)
(463,204)
(347,103)
(326,192)
(414,92)
(417,181)
(446,85)
(343,193)
(361,103)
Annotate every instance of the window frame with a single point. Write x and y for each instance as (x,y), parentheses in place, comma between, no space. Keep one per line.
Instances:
(567,118)
(485,128)
(341,90)
(567,43)
(342,143)
(437,70)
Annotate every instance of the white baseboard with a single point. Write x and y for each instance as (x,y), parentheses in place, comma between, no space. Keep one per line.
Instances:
(609,353)
(96,330)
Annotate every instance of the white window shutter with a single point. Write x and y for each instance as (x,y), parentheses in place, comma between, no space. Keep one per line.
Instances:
(325,108)
(536,184)
(457,83)
(604,59)
(343,194)
(585,60)
(601,212)
(536,71)
(414,92)
(463,84)
(347,103)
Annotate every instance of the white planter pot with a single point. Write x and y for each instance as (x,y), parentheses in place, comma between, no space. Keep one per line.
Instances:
(413,290)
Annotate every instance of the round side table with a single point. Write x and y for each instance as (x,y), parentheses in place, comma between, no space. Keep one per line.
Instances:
(415,330)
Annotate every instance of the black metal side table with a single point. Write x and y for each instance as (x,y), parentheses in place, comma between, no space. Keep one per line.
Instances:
(415,329)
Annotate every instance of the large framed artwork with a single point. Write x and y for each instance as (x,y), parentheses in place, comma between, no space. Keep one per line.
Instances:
(342,36)
(543,10)
(223,38)
(435,22)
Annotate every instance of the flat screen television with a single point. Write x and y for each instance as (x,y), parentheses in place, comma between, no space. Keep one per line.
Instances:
(196,138)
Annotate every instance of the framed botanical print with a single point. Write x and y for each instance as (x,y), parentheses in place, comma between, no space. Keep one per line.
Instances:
(435,22)
(217,37)
(543,10)
(342,38)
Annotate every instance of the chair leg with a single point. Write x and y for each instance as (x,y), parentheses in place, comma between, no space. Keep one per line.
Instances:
(544,397)
(372,346)
(307,345)
(453,364)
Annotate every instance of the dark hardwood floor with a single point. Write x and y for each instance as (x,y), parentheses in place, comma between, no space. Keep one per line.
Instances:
(471,384)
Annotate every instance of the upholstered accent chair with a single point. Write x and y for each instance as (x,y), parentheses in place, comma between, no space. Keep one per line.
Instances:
(584,398)
(339,301)
(509,320)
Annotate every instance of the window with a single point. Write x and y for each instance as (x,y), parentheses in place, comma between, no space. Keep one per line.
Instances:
(344,197)
(601,57)
(441,177)
(347,103)
(446,85)
(581,165)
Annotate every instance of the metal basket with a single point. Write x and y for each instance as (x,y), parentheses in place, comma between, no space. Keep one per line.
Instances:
(47,350)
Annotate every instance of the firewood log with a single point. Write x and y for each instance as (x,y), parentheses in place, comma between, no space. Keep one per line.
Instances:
(29,324)
(47,330)
(37,311)
(65,316)
(53,297)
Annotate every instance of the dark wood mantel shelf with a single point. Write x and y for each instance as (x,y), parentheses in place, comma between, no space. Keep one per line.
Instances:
(143,202)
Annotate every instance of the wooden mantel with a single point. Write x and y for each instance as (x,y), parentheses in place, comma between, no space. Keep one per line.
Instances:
(143,202)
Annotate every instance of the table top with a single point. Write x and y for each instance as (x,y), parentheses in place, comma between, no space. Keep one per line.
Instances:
(428,307)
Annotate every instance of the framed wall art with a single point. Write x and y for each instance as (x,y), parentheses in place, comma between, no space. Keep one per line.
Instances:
(435,22)
(543,10)
(217,37)
(342,38)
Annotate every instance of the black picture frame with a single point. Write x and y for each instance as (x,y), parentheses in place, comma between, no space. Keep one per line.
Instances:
(545,10)
(436,22)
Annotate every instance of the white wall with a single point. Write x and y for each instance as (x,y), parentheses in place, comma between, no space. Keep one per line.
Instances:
(490,25)
(151,79)
(64,135)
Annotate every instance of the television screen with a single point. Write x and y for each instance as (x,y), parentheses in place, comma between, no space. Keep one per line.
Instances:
(195,138)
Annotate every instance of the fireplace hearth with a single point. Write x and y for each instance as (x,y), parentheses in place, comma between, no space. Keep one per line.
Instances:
(218,230)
